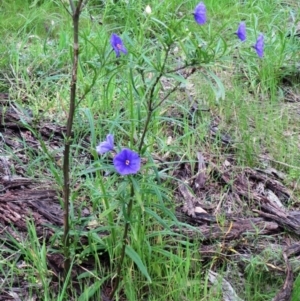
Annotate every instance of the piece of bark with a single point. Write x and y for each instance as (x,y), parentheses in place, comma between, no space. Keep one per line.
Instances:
(245,182)
(232,230)
(41,206)
(200,178)
(238,228)
(25,195)
(14,182)
(228,292)
(284,219)
(15,296)
(272,197)
(292,250)
(191,205)
(286,291)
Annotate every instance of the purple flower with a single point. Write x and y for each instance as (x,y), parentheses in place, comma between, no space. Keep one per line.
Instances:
(106,145)
(241,32)
(117,44)
(200,13)
(127,162)
(259,46)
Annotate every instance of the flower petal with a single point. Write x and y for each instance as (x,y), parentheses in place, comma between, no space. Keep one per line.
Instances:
(117,44)
(200,13)
(127,162)
(148,10)
(259,46)
(241,32)
(106,145)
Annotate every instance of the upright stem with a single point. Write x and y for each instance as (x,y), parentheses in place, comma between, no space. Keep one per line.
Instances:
(150,97)
(149,114)
(124,243)
(152,107)
(68,140)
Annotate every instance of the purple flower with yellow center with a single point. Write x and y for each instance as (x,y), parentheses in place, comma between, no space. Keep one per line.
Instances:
(127,162)
(200,13)
(241,32)
(117,44)
(106,145)
(259,46)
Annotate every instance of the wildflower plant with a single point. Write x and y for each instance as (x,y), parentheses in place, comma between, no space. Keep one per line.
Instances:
(147,62)
(150,69)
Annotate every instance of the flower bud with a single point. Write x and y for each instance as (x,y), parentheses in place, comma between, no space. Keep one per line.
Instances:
(148,10)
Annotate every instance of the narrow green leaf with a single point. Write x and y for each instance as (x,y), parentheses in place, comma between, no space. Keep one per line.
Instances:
(137,260)
(219,90)
(90,291)
(157,217)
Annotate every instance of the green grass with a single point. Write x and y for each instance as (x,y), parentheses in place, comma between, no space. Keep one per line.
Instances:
(242,94)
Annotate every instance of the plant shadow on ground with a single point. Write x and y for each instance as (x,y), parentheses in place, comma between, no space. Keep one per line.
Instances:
(226,214)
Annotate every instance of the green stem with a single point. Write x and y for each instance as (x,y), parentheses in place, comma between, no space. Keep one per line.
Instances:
(173,89)
(110,214)
(151,97)
(124,244)
(68,138)
(149,114)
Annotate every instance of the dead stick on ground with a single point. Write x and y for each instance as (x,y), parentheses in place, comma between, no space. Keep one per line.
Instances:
(285,293)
